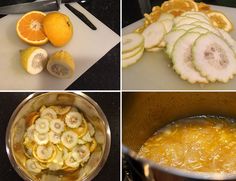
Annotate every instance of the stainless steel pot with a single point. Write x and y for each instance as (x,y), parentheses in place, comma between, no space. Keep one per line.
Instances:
(145,113)
(91,110)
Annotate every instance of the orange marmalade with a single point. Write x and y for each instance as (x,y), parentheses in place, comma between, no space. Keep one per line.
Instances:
(203,144)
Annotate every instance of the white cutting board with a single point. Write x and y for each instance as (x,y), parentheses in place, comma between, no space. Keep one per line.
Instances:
(153,70)
(86,47)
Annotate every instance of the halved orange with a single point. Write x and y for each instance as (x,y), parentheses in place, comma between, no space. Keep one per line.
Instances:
(219,20)
(29,28)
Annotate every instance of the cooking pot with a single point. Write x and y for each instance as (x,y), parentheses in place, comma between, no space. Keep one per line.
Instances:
(145,113)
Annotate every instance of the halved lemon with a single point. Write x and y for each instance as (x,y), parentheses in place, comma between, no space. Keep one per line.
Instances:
(219,20)
(29,28)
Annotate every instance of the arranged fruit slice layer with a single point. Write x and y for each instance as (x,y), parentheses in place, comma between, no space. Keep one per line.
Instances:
(134,48)
(196,14)
(186,20)
(226,36)
(132,52)
(198,30)
(171,38)
(213,57)
(206,26)
(165,16)
(182,59)
(154,49)
(199,16)
(133,59)
(131,41)
(29,28)
(168,24)
(153,34)
(185,27)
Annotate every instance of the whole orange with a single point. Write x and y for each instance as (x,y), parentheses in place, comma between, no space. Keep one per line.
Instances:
(58,28)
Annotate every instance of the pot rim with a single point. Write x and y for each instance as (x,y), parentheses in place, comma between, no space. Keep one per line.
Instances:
(107,147)
(176,171)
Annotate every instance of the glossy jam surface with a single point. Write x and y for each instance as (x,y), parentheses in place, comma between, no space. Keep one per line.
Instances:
(204,144)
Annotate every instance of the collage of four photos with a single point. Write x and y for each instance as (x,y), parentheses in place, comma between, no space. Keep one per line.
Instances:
(120,90)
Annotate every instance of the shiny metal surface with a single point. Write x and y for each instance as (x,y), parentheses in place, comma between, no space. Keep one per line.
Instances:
(45,5)
(91,110)
(144,113)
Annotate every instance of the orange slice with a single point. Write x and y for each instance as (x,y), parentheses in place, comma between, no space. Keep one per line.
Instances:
(203,7)
(192,6)
(176,12)
(186,5)
(29,28)
(219,20)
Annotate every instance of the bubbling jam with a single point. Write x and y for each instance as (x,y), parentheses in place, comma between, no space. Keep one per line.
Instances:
(203,144)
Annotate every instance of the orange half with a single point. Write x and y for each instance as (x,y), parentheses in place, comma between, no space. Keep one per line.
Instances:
(29,28)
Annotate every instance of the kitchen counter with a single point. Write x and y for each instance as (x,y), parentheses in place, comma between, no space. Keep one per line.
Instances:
(96,77)
(109,102)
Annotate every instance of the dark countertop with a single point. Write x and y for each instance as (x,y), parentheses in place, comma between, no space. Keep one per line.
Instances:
(110,104)
(129,17)
(105,74)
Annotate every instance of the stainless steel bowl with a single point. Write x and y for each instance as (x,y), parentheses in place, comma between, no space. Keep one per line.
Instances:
(144,113)
(91,110)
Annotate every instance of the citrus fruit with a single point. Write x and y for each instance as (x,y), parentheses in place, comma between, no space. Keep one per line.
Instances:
(58,28)
(183,5)
(29,28)
(33,59)
(192,6)
(176,12)
(220,20)
(61,65)
(203,7)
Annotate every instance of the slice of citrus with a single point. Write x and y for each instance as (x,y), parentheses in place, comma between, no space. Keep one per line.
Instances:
(167,5)
(203,7)
(220,20)
(192,6)
(29,28)
(176,12)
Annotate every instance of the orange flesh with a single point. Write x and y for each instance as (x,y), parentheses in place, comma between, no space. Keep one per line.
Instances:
(30,27)
(196,144)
